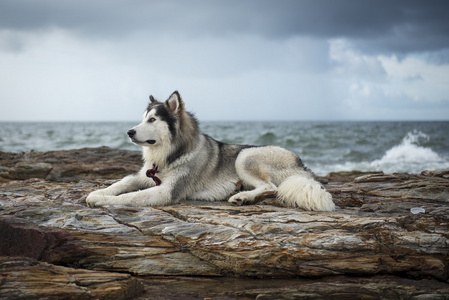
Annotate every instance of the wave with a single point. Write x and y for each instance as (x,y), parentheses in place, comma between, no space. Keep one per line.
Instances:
(267,138)
(409,151)
(408,156)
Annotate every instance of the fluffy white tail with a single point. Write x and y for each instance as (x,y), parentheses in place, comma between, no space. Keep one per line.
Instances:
(305,193)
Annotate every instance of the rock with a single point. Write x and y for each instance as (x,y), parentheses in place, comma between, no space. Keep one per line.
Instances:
(443,174)
(25,278)
(399,185)
(69,165)
(346,176)
(372,246)
(337,287)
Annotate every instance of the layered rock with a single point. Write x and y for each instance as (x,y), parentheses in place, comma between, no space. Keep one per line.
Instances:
(27,278)
(389,233)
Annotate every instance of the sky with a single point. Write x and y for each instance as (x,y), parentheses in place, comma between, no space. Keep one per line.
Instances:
(326,60)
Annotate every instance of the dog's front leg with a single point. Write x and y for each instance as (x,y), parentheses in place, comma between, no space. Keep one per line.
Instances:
(155,196)
(128,184)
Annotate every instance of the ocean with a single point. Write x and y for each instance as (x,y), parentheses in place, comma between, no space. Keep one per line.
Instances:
(323,146)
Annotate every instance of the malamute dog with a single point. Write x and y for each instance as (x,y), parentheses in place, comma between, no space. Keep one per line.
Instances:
(182,163)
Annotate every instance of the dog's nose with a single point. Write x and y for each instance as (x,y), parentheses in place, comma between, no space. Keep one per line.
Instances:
(131,133)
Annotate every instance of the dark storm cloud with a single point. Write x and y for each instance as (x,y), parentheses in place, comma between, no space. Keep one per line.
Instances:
(373,26)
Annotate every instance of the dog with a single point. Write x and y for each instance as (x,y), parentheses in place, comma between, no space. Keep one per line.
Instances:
(182,163)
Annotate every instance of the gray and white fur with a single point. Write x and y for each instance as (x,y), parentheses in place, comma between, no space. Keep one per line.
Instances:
(192,165)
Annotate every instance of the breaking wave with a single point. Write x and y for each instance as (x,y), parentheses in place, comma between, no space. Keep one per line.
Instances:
(409,152)
(408,156)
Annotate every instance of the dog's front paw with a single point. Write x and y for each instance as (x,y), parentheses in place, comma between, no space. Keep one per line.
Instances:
(95,200)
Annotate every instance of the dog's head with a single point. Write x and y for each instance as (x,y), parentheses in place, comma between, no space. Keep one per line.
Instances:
(159,122)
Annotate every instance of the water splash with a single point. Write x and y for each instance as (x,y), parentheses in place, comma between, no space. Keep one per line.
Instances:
(409,156)
(409,151)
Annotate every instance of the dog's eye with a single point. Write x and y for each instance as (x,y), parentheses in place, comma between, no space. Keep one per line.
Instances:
(151,120)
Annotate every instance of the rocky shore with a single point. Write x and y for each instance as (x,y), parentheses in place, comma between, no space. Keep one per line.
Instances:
(388,238)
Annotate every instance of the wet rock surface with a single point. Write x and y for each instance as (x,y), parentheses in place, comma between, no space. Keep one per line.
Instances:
(387,239)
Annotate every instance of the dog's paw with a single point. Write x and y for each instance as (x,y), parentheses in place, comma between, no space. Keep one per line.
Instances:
(95,200)
(242,198)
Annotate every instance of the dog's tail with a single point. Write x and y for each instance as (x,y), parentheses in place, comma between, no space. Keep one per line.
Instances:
(305,193)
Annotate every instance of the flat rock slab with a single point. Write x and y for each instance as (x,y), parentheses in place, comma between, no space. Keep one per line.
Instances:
(389,232)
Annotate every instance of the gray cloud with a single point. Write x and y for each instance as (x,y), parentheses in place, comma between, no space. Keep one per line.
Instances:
(412,78)
(321,59)
(374,26)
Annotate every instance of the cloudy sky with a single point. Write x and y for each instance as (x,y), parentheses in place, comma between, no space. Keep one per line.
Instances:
(230,59)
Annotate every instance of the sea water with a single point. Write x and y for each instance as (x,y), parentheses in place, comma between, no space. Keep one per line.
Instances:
(323,146)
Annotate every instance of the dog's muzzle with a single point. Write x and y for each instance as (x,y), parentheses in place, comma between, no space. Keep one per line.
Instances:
(132,133)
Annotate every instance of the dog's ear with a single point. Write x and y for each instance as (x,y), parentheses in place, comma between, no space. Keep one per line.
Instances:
(152,100)
(174,103)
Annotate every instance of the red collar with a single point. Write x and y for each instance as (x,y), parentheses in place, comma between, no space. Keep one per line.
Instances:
(152,174)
